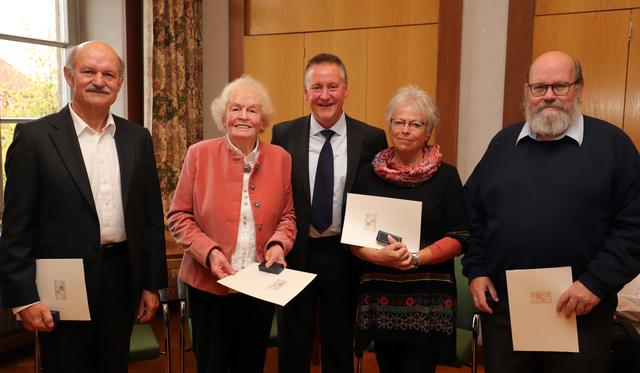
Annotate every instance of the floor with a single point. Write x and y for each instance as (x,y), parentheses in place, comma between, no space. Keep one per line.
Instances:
(21,360)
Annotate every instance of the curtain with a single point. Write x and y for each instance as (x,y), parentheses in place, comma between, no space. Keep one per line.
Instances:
(177,87)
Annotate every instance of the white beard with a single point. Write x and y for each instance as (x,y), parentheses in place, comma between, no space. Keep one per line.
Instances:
(551,123)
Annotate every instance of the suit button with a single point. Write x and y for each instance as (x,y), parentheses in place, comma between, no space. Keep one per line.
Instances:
(257,205)
(253,186)
(259,227)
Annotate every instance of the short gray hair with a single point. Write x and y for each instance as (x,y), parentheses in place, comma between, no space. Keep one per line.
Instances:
(71,55)
(219,105)
(412,95)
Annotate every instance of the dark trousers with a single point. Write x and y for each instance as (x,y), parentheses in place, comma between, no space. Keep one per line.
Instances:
(404,358)
(230,333)
(594,341)
(330,294)
(102,344)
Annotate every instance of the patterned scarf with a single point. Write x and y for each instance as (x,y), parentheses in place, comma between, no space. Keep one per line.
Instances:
(401,175)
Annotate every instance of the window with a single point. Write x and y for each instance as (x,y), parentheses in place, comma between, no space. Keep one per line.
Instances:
(33,38)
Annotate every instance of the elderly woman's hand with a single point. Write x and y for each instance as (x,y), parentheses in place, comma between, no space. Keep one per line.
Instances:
(219,265)
(275,254)
(395,255)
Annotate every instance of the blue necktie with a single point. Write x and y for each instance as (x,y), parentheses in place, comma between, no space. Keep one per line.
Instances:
(322,202)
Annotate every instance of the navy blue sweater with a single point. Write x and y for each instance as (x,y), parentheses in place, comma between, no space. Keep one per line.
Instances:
(557,203)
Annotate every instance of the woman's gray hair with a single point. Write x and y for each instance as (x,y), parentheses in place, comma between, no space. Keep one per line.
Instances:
(412,95)
(219,105)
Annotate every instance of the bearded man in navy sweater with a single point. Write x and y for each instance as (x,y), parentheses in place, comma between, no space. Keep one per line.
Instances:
(561,189)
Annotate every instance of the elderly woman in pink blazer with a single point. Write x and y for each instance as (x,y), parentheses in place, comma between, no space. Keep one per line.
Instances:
(232,208)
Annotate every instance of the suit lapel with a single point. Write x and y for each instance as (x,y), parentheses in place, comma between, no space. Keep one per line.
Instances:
(354,143)
(66,142)
(126,158)
(301,156)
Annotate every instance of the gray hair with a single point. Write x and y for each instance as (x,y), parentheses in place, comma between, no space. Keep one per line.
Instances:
(412,95)
(219,105)
(321,59)
(71,55)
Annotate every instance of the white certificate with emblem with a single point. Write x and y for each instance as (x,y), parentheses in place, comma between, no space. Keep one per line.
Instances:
(535,324)
(366,216)
(278,289)
(62,288)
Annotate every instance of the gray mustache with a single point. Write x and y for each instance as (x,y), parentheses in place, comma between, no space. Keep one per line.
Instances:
(98,90)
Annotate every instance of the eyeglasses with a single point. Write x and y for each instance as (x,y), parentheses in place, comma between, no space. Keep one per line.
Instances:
(413,124)
(559,89)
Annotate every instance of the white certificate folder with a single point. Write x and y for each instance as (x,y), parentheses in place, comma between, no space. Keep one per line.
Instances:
(62,288)
(535,324)
(277,289)
(366,215)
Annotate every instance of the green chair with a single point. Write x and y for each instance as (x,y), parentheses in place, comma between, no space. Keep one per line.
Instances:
(468,321)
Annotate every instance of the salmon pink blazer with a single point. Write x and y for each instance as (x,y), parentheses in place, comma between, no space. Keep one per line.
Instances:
(205,211)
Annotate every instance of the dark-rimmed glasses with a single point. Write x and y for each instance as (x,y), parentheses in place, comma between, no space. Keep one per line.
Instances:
(559,89)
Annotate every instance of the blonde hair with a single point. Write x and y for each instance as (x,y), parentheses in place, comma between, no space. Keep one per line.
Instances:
(219,104)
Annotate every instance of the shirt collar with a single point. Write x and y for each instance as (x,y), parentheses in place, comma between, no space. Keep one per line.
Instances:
(251,158)
(339,127)
(80,125)
(575,131)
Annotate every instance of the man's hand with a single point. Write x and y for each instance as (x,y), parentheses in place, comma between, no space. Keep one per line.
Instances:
(37,318)
(275,254)
(577,298)
(219,265)
(478,287)
(149,302)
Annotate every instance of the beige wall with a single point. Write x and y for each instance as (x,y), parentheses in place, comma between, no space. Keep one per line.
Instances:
(484,42)
(105,20)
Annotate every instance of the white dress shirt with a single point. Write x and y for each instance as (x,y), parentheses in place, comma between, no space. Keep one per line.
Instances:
(339,147)
(103,168)
(245,253)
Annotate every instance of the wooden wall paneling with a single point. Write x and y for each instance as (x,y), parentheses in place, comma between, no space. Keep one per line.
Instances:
(448,78)
(398,56)
(351,47)
(277,61)
(632,102)
(574,6)
(518,59)
(236,38)
(599,41)
(289,16)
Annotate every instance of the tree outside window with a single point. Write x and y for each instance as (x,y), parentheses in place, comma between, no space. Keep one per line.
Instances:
(33,37)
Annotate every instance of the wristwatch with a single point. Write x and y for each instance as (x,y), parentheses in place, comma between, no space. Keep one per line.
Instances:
(414,259)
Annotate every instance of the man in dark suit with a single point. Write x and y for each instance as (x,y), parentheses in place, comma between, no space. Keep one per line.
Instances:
(82,183)
(326,147)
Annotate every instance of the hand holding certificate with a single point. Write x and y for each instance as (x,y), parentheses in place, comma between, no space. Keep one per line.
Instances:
(535,324)
(61,287)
